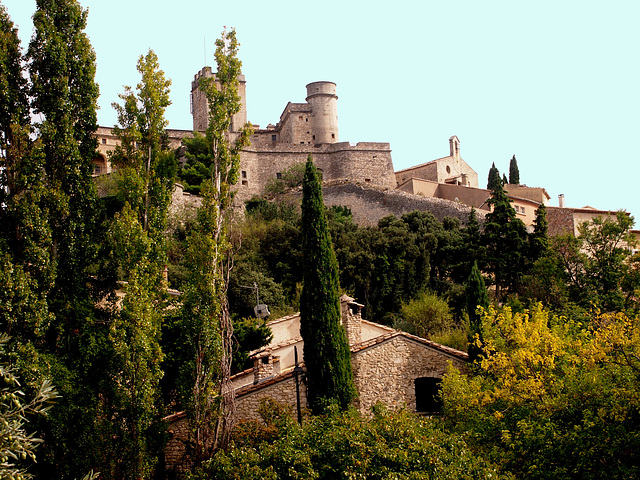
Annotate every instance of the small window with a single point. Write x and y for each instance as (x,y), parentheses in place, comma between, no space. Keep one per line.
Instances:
(244,174)
(279,176)
(314,137)
(306,119)
(448,169)
(301,143)
(333,135)
(300,117)
(274,138)
(522,210)
(104,141)
(245,183)
(265,360)
(428,398)
(367,180)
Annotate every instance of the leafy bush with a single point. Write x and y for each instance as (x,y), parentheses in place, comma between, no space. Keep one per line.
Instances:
(347,445)
(425,315)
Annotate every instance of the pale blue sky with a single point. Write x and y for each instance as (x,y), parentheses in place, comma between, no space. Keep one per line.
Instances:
(553,82)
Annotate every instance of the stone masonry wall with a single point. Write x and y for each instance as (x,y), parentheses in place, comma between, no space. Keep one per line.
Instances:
(560,220)
(364,162)
(283,392)
(369,204)
(386,372)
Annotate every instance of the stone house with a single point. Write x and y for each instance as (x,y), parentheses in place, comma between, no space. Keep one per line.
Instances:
(389,366)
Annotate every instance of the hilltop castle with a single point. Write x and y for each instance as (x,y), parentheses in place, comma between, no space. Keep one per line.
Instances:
(303,129)
(447,186)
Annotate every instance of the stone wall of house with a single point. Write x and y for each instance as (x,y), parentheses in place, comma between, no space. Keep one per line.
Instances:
(248,399)
(560,220)
(176,461)
(386,372)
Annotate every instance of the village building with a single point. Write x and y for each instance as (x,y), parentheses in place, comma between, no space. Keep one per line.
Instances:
(389,366)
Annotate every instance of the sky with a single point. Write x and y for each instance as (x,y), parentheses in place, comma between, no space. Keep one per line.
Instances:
(555,83)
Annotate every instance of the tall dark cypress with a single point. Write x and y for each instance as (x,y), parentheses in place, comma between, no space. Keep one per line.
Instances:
(514,173)
(326,350)
(476,296)
(493,178)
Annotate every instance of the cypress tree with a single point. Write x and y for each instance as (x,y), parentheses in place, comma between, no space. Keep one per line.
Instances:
(493,178)
(514,173)
(504,179)
(476,296)
(326,351)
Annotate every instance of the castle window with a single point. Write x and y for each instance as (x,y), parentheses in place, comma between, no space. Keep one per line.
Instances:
(245,183)
(333,135)
(301,143)
(448,169)
(104,141)
(314,137)
(279,176)
(306,119)
(244,174)
(367,180)
(274,138)
(300,117)
(428,398)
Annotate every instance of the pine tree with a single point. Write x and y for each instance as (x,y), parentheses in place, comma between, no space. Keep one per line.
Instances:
(538,239)
(493,177)
(514,173)
(476,296)
(505,239)
(326,351)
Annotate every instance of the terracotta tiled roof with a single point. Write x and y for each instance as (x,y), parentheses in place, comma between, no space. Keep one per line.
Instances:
(422,164)
(265,351)
(266,382)
(397,333)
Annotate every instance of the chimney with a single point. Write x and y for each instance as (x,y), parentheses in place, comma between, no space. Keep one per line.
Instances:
(265,365)
(561,200)
(351,319)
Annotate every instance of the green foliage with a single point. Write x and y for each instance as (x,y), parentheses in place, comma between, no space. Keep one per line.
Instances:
(290,178)
(205,321)
(344,445)
(505,239)
(135,335)
(476,298)
(17,444)
(425,315)
(197,166)
(552,398)
(250,334)
(326,351)
(514,172)
(493,178)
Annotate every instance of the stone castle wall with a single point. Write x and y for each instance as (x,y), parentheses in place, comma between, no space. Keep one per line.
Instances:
(369,204)
(364,162)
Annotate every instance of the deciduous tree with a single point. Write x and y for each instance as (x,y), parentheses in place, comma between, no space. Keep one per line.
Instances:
(206,320)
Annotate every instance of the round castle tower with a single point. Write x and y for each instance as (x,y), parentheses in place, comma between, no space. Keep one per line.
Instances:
(322,98)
